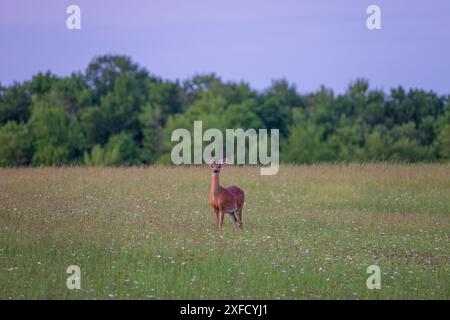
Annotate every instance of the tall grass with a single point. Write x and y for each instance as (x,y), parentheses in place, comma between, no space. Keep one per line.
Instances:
(310,232)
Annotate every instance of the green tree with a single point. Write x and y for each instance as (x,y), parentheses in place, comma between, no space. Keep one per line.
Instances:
(15,144)
(305,145)
(50,129)
(103,71)
(243,115)
(122,106)
(70,93)
(152,132)
(346,144)
(444,142)
(91,116)
(378,144)
(275,114)
(15,103)
(96,157)
(120,150)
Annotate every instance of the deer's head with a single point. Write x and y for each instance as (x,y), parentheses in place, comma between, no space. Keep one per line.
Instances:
(216,166)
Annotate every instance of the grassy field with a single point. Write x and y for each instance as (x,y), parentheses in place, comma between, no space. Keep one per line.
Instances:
(310,232)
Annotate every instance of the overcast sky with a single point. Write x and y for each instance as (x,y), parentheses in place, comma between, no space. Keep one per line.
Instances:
(308,42)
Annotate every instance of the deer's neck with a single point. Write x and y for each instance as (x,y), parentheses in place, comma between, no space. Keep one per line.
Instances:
(215,186)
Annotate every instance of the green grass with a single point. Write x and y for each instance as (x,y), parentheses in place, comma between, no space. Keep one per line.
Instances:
(310,232)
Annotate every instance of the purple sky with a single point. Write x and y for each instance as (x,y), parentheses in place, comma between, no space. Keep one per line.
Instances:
(309,42)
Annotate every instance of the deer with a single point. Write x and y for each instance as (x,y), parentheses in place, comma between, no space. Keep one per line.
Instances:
(225,200)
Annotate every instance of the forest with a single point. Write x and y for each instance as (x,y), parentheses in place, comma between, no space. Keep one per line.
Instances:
(118,113)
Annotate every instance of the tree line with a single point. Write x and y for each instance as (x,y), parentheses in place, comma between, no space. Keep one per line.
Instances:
(117,113)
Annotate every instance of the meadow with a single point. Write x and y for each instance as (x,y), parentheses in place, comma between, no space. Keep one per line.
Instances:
(310,232)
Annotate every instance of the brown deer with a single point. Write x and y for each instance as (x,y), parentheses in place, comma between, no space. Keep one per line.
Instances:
(225,200)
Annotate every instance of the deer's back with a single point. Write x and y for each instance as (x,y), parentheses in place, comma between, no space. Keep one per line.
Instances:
(238,193)
(227,198)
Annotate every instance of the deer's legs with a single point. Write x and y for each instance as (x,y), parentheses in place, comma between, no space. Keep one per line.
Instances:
(221,214)
(239,217)
(217,218)
(235,219)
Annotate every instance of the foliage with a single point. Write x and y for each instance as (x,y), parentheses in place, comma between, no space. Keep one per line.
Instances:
(50,130)
(117,113)
(120,150)
(15,144)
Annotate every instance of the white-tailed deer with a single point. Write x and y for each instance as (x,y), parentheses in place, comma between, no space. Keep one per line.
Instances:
(225,200)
